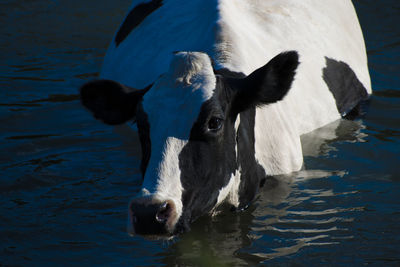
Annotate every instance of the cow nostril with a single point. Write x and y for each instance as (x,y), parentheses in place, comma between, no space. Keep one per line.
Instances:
(164,212)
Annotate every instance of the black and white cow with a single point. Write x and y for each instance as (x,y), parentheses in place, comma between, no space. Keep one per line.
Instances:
(214,124)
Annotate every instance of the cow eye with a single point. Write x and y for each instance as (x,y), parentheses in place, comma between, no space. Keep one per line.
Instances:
(214,124)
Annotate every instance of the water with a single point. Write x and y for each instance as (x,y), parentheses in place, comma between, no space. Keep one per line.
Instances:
(65,179)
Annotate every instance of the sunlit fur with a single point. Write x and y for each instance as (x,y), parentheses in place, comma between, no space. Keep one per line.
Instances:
(242,36)
(239,35)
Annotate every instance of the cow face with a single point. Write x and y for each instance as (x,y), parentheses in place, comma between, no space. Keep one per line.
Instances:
(186,123)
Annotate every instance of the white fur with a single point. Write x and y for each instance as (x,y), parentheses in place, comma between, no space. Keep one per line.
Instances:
(241,35)
(230,193)
(178,25)
(163,175)
(172,105)
(254,31)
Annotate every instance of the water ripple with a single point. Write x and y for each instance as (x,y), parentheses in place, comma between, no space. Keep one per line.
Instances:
(325,212)
(300,243)
(305,231)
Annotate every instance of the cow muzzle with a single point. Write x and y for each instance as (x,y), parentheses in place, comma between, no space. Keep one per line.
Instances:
(152,217)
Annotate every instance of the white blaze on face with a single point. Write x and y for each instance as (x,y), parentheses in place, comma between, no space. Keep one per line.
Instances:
(172,106)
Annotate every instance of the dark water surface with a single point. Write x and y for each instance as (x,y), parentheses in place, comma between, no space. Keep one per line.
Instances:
(66,179)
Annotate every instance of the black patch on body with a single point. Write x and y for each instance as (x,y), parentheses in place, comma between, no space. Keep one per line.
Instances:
(135,17)
(345,86)
(358,111)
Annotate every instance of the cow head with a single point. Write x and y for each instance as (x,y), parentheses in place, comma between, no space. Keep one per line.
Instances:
(186,123)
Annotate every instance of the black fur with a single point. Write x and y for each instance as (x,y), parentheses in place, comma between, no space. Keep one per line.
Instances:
(144,136)
(135,17)
(110,101)
(252,174)
(208,160)
(344,85)
(229,74)
(267,84)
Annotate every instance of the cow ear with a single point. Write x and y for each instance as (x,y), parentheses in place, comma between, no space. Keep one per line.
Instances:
(111,102)
(267,84)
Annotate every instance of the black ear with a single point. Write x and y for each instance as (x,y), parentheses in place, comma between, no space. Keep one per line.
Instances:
(267,84)
(111,102)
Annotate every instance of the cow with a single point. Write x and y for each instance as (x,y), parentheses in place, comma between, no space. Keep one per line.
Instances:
(221,91)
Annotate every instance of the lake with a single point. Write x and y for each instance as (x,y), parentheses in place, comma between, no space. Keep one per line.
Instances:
(66,179)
